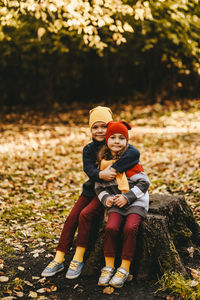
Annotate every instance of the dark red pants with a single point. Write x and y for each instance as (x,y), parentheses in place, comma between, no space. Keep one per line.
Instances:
(81,216)
(112,234)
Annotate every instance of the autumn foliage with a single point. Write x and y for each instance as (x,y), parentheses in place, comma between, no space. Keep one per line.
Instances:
(61,50)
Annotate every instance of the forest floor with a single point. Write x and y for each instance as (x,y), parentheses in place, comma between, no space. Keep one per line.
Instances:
(41,177)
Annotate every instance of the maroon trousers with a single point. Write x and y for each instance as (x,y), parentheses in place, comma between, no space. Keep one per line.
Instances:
(81,216)
(112,234)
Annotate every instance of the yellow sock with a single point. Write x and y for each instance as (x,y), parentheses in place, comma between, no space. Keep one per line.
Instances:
(79,254)
(110,262)
(60,256)
(126,264)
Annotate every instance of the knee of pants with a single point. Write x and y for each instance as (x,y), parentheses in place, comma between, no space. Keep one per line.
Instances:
(112,230)
(130,230)
(72,218)
(84,217)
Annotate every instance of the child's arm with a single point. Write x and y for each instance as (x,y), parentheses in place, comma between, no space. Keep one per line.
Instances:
(105,198)
(89,163)
(130,158)
(91,169)
(141,185)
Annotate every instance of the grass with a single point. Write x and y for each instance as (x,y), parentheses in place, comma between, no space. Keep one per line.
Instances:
(176,284)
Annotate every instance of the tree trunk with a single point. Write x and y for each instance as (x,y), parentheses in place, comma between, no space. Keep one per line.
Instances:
(167,238)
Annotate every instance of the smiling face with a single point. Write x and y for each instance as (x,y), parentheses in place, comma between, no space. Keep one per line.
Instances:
(99,131)
(116,143)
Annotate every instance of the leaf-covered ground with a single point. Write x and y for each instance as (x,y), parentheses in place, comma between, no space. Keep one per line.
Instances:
(41,177)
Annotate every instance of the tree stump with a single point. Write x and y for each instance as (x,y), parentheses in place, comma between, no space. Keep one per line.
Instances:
(167,238)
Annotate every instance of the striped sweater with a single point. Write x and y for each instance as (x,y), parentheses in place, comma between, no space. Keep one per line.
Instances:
(137,196)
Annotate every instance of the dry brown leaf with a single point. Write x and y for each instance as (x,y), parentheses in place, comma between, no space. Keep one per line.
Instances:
(130,277)
(42,290)
(19,294)
(53,288)
(32,294)
(108,290)
(28,283)
(76,285)
(4,278)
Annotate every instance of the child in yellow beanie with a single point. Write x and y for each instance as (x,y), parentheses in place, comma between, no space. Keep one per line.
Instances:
(87,208)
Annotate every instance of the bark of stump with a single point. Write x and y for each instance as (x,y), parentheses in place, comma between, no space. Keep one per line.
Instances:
(164,239)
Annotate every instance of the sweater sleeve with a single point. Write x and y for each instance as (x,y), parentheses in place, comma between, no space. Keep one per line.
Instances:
(141,184)
(128,160)
(89,164)
(101,193)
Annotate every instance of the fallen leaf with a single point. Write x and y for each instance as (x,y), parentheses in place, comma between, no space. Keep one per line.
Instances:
(36,255)
(194,283)
(130,277)
(8,291)
(53,288)
(195,273)
(28,283)
(4,278)
(20,268)
(43,279)
(42,290)
(18,287)
(191,251)
(108,290)
(35,277)
(49,255)
(19,294)
(76,285)
(32,294)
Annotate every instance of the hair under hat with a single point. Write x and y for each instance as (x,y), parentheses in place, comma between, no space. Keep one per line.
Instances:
(118,127)
(100,114)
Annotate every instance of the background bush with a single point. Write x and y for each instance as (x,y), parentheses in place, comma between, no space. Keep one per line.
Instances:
(64,50)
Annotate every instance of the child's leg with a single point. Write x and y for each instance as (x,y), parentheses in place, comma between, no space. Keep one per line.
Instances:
(87,215)
(129,239)
(70,227)
(66,237)
(111,237)
(129,243)
(93,209)
(110,247)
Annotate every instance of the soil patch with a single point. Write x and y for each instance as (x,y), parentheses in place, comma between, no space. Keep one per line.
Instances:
(58,287)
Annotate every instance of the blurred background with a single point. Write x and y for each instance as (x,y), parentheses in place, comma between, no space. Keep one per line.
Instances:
(60,51)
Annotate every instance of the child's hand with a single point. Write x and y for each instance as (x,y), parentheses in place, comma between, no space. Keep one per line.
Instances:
(109,202)
(120,200)
(108,174)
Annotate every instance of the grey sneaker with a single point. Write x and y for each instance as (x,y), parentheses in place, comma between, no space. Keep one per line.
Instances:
(106,275)
(74,270)
(52,268)
(119,278)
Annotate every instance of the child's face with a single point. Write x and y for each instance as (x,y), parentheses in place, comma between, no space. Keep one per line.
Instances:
(116,142)
(99,131)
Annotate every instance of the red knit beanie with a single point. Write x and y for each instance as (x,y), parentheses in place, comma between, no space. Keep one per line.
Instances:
(118,127)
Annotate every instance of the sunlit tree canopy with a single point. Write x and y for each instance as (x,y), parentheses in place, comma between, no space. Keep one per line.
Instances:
(88,18)
(158,38)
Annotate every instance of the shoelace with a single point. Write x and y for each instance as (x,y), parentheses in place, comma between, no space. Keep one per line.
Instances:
(74,265)
(119,274)
(52,264)
(104,273)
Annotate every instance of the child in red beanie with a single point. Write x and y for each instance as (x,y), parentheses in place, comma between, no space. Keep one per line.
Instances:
(127,200)
(87,207)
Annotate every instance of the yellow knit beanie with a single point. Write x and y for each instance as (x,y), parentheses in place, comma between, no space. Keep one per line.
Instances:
(100,114)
